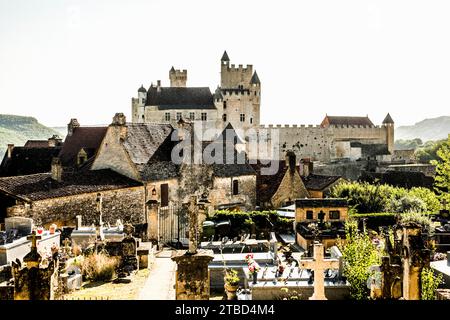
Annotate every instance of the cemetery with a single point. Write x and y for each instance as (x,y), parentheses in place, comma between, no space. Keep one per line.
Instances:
(230,255)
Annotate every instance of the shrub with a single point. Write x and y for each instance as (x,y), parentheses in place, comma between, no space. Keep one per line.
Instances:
(416,218)
(99,267)
(430,282)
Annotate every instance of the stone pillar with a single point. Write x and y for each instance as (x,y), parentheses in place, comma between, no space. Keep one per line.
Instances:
(192,276)
(152,220)
(415,257)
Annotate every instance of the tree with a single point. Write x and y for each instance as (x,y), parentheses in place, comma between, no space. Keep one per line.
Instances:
(442,179)
(359,254)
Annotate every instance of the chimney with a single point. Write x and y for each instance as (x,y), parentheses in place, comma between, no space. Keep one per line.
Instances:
(56,169)
(71,126)
(158,85)
(290,161)
(54,141)
(10,150)
(120,121)
(306,167)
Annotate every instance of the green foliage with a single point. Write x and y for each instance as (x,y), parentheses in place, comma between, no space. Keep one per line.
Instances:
(364,197)
(407,144)
(428,152)
(17,130)
(359,255)
(430,282)
(231,277)
(416,218)
(442,179)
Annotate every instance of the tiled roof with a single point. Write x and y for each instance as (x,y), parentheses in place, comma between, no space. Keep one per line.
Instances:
(88,138)
(267,185)
(319,182)
(26,160)
(346,121)
(36,144)
(180,98)
(321,203)
(41,186)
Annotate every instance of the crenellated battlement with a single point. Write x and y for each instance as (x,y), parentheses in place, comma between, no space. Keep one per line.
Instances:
(240,68)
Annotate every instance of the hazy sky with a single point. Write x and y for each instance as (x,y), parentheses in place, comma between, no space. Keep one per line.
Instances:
(86,59)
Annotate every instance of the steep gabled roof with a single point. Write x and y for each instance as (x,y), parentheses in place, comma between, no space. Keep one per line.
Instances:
(346,121)
(88,138)
(25,160)
(180,98)
(36,144)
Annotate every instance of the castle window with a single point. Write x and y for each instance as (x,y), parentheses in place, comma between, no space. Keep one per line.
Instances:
(167,116)
(251,120)
(178,115)
(309,215)
(203,116)
(224,117)
(242,117)
(224,104)
(235,187)
(143,100)
(164,195)
(192,115)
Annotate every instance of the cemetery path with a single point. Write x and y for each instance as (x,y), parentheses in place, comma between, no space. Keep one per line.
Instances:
(161,280)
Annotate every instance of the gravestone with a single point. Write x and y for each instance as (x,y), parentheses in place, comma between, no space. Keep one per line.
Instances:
(319,264)
(386,283)
(22,225)
(129,259)
(31,282)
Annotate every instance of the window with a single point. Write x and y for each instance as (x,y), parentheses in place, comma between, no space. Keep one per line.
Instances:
(192,115)
(167,116)
(235,187)
(251,120)
(178,115)
(334,214)
(309,215)
(143,100)
(242,117)
(164,195)
(224,104)
(224,117)
(203,116)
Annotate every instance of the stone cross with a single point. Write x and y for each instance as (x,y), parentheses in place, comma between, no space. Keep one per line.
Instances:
(66,243)
(34,238)
(319,264)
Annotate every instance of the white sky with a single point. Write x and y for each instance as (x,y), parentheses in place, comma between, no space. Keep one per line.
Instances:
(86,59)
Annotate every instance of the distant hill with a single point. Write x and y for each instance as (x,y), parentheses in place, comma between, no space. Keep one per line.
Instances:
(18,129)
(426,130)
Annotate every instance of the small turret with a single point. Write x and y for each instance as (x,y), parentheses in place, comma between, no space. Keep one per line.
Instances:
(225,59)
(388,119)
(142,95)
(255,79)
(178,78)
(388,123)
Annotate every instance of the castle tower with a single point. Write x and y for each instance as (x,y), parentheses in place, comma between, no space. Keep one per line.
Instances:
(388,123)
(137,105)
(178,78)
(240,90)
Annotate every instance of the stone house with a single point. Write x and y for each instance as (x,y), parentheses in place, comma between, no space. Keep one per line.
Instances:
(327,215)
(282,187)
(58,197)
(34,157)
(143,151)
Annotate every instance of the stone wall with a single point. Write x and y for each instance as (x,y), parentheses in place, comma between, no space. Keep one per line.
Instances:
(112,155)
(125,204)
(222,192)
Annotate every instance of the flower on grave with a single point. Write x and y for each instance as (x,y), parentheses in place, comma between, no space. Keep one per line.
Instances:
(253,266)
(249,257)
(281,269)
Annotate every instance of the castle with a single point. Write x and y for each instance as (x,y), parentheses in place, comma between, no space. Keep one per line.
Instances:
(237,101)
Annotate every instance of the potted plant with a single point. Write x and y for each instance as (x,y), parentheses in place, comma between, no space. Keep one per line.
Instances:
(231,283)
